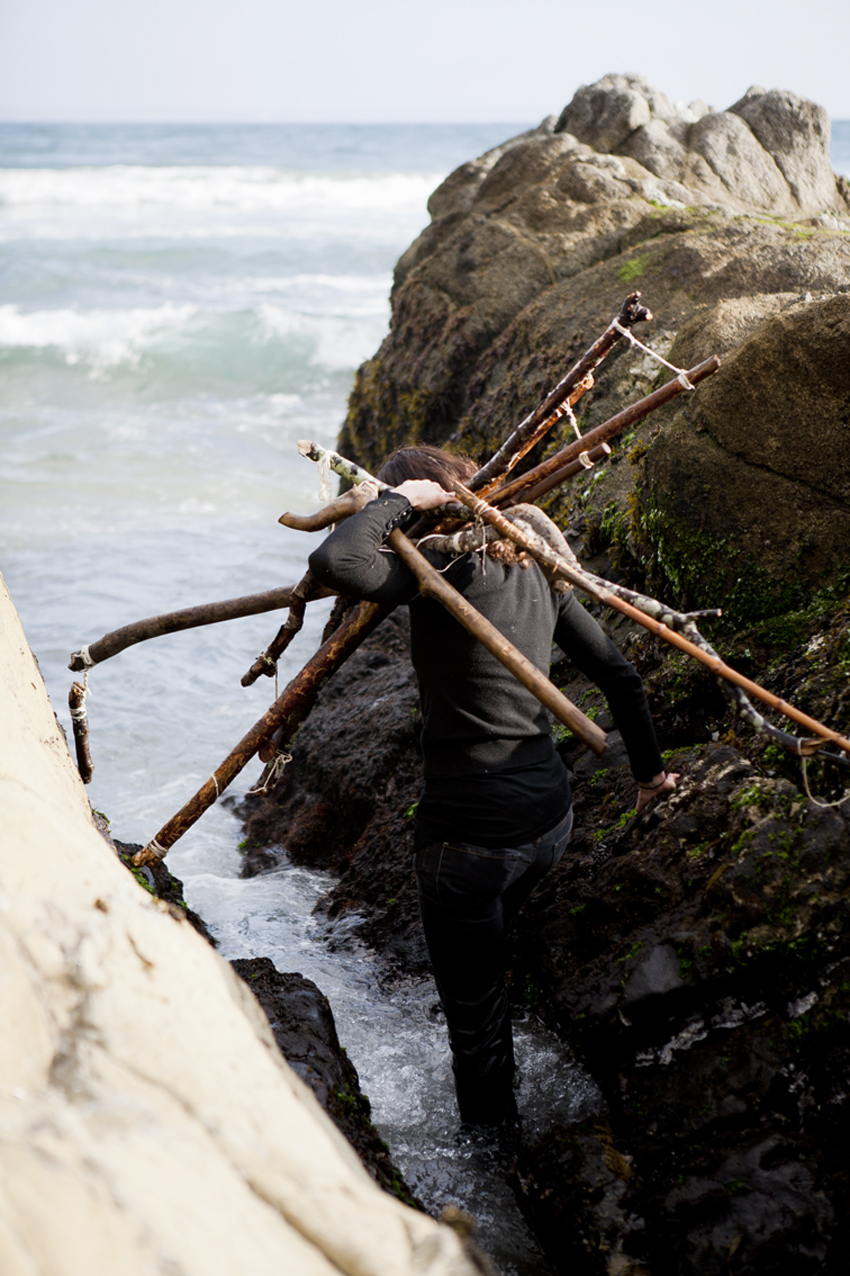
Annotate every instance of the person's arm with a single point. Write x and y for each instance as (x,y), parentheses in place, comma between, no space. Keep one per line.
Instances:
(588,647)
(352,559)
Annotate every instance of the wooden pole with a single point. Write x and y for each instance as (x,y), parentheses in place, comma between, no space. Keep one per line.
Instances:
(569,389)
(289,710)
(603,593)
(304,592)
(80,724)
(511,493)
(433,585)
(172,622)
(533,493)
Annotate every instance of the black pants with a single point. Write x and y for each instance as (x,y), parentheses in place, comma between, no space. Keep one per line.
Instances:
(468,896)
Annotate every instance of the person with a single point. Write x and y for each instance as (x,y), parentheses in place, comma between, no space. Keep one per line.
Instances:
(495,814)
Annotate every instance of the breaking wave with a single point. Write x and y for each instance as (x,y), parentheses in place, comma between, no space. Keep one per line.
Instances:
(183,349)
(258,187)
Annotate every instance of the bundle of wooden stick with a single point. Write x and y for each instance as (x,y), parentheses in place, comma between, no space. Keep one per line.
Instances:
(487,496)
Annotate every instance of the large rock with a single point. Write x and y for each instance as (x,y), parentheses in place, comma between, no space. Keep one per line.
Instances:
(148,1122)
(796,133)
(725,220)
(746,496)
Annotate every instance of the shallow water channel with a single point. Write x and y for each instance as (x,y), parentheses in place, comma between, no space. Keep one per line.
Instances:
(395,1035)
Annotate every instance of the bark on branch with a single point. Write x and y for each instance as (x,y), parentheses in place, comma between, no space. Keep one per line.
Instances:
(80,723)
(569,389)
(307,590)
(172,622)
(510,493)
(288,711)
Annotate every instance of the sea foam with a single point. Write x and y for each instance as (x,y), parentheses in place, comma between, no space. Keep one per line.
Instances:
(196,187)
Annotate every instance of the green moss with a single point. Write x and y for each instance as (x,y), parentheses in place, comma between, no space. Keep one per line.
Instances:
(633,268)
(697,569)
(141,878)
(633,951)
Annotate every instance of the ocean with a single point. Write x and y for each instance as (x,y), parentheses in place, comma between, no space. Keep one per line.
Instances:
(179,305)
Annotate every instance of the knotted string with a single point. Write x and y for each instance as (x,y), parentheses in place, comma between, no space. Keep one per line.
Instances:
(681,375)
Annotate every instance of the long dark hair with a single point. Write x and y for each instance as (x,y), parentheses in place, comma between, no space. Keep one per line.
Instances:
(426,462)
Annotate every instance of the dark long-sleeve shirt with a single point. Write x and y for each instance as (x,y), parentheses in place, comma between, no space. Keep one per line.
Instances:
(492,775)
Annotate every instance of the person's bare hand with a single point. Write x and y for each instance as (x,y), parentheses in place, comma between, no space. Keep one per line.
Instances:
(664,782)
(424,494)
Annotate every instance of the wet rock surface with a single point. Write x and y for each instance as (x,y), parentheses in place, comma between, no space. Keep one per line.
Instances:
(303,1025)
(156,880)
(696,958)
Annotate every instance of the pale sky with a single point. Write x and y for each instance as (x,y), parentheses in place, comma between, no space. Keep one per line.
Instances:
(386,60)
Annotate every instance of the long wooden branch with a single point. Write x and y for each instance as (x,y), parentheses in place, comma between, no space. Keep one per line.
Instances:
(585,462)
(172,622)
(510,493)
(307,590)
(433,585)
(80,724)
(568,390)
(289,711)
(650,613)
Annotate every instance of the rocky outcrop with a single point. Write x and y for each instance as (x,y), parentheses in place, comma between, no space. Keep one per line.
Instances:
(737,232)
(148,1122)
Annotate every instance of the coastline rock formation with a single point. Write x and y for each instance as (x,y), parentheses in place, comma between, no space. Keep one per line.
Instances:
(529,253)
(148,1122)
(697,957)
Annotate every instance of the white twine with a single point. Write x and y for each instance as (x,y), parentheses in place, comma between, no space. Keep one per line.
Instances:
(817,801)
(280,762)
(326,492)
(85,656)
(584,458)
(571,417)
(79,714)
(159,851)
(217,789)
(681,376)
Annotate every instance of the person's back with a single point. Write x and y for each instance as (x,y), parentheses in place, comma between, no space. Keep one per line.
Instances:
(495,815)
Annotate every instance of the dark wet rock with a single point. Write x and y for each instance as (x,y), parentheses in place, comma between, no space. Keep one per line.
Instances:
(156,880)
(757,530)
(701,972)
(303,1025)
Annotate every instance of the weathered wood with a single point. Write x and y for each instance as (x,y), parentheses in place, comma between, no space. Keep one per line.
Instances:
(568,471)
(290,709)
(535,425)
(612,596)
(515,491)
(433,585)
(343,507)
(307,590)
(80,724)
(172,622)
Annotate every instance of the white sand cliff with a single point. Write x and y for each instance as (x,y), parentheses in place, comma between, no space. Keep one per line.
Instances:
(148,1122)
